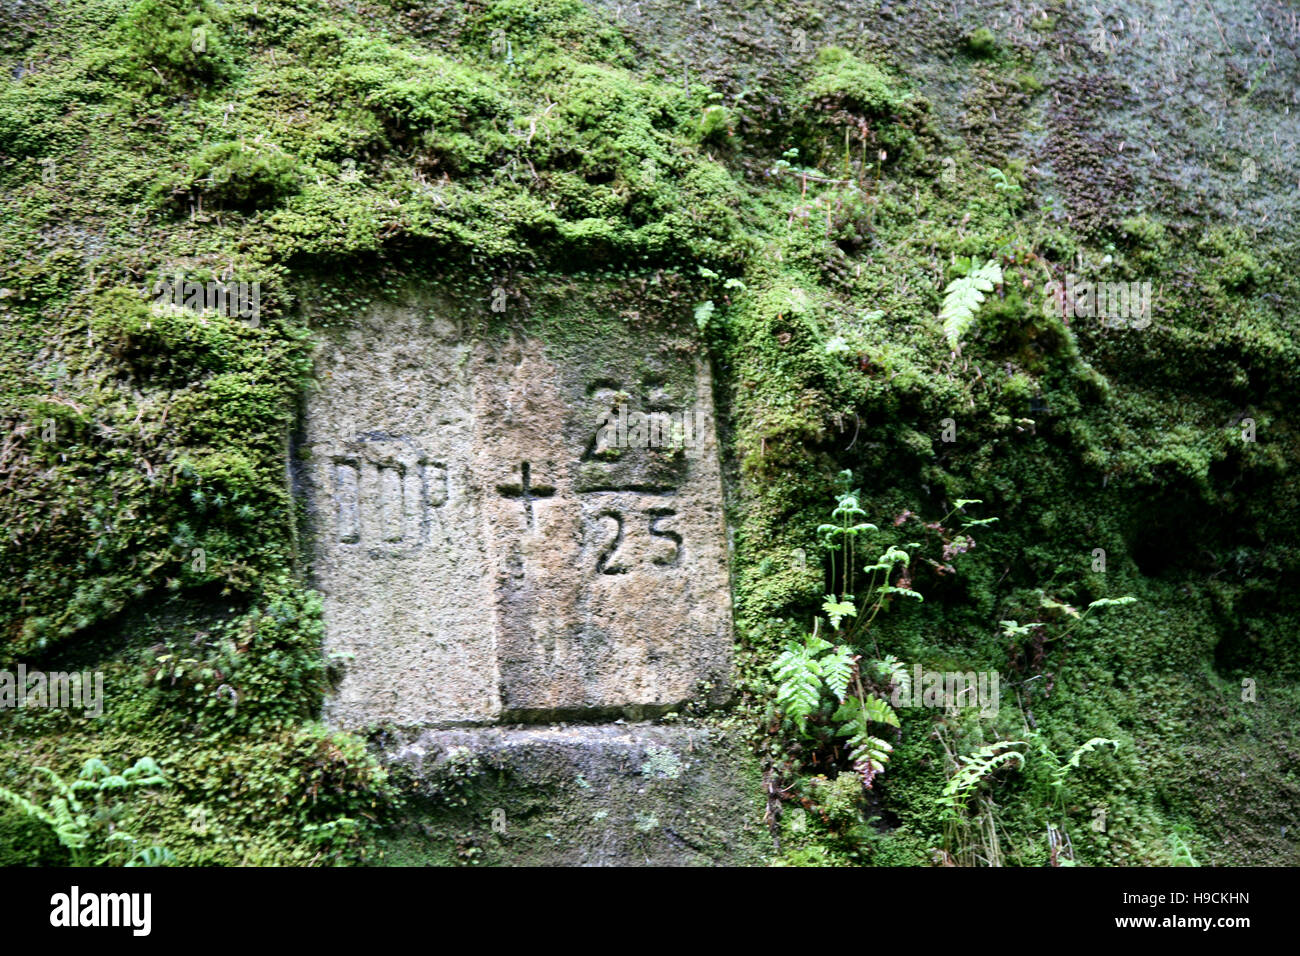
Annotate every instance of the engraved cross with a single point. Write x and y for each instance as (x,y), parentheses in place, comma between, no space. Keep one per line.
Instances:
(526,491)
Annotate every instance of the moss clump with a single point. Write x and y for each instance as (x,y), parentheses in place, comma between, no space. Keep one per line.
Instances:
(27,842)
(842,80)
(170,44)
(244,175)
(982,44)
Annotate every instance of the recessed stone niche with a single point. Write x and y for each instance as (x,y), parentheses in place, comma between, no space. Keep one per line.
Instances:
(486,551)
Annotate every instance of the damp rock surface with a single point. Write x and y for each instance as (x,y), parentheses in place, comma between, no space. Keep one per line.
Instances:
(586,795)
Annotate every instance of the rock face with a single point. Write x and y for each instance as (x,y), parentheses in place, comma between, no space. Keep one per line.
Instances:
(587,795)
(497,538)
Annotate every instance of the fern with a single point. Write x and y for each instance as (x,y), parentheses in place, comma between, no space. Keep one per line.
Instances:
(1112,602)
(1088,747)
(906,592)
(1016,629)
(807,673)
(973,768)
(803,671)
(74,826)
(857,712)
(800,675)
(837,611)
(868,753)
(1180,853)
(152,856)
(837,669)
(894,671)
(1001,183)
(893,555)
(963,297)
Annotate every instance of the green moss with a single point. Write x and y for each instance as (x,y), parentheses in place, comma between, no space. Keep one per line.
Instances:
(27,842)
(244,175)
(170,43)
(982,44)
(841,79)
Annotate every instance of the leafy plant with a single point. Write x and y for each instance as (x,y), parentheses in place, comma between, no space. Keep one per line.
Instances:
(817,671)
(704,312)
(87,827)
(971,833)
(1016,629)
(1180,854)
(807,672)
(804,670)
(828,687)
(972,769)
(964,295)
(1001,183)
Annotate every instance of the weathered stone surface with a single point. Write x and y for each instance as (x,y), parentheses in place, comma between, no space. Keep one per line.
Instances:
(625,795)
(484,549)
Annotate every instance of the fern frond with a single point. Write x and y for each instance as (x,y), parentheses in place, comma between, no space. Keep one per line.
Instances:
(963,297)
(153,856)
(893,555)
(891,669)
(95,769)
(973,768)
(27,807)
(1112,602)
(906,592)
(856,714)
(836,611)
(799,699)
(869,755)
(68,792)
(1054,605)
(837,669)
(879,712)
(1090,746)
(800,674)
(1016,629)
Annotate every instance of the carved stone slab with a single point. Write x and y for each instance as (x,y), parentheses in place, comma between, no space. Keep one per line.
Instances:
(505,531)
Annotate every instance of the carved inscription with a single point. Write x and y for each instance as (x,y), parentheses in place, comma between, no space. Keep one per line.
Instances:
(506,533)
(387,503)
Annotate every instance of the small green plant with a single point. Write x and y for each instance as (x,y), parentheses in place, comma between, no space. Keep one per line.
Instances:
(981,43)
(1009,190)
(1180,854)
(1001,183)
(715,123)
(244,175)
(971,770)
(830,690)
(818,671)
(1014,629)
(88,827)
(817,667)
(971,833)
(964,295)
(1061,772)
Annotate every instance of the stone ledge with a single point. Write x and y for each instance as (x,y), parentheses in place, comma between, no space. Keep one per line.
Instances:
(579,795)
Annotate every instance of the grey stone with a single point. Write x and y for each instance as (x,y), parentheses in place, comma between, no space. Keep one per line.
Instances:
(487,551)
(634,794)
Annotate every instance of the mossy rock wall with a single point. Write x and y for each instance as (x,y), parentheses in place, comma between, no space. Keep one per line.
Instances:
(801,182)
